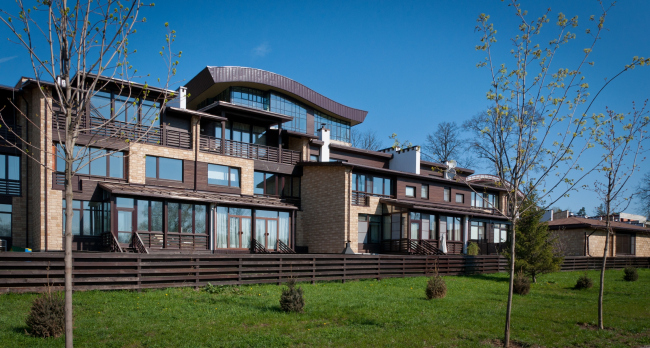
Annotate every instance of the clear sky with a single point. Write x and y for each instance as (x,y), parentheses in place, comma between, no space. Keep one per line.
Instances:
(409,64)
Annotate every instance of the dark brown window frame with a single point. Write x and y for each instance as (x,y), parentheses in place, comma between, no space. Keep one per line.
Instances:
(158,169)
(107,157)
(424,191)
(406,191)
(462,198)
(180,217)
(280,183)
(447,194)
(229,175)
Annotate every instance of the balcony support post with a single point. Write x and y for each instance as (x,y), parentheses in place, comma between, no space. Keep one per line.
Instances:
(223,134)
(279,142)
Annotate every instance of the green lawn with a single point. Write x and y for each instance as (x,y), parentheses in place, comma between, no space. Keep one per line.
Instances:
(390,312)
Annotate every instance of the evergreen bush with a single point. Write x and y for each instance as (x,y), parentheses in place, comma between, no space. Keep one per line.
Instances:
(46,318)
(584,282)
(631,274)
(521,284)
(292,298)
(436,287)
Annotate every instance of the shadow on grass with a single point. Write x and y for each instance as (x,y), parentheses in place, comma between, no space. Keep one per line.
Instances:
(491,277)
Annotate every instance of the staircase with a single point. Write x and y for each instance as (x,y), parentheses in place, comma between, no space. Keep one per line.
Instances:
(284,249)
(423,247)
(258,248)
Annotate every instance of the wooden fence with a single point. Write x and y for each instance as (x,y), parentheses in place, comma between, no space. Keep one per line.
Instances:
(30,272)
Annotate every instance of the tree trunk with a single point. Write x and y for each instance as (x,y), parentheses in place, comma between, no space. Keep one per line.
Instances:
(602,280)
(506,339)
(68,252)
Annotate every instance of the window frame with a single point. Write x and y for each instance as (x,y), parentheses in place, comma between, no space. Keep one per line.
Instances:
(158,169)
(462,198)
(447,194)
(229,175)
(86,158)
(424,191)
(280,183)
(128,102)
(406,191)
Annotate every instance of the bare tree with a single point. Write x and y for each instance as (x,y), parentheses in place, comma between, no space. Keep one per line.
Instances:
(81,48)
(367,140)
(621,139)
(446,144)
(527,154)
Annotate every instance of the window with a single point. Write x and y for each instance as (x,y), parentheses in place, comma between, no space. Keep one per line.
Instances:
(234,228)
(222,175)
(313,158)
(131,109)
(250,97)
(375,185)
(282,105)
(243,132)
(271,184)
(164,168)
(186,218)
(485,200)
(460,198)
(500,233)
(625,243)
(369,228)
(447,194)
(92,161)
(5,220)
(424,191)
(339,129)
(410,191)
(150,216)
(451,225)
(89,218)
(10,175)
(477,230)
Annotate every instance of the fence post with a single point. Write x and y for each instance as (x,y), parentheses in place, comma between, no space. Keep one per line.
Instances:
(197,274)
(280,273)
(139,272)
(345,266)
(403,266)
(313,270)
(239,272)
(378,267)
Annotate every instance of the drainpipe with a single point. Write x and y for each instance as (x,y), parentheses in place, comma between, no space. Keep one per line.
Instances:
(348,248)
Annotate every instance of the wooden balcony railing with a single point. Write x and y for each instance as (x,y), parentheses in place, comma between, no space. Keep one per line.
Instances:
(10,187)
(247,150)
(58,180)
(360,198)
(163,135)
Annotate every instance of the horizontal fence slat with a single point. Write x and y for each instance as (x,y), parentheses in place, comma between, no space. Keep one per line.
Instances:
(32,272)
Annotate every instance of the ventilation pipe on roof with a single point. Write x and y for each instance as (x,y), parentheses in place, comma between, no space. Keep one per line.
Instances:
(182,97)
(324,136)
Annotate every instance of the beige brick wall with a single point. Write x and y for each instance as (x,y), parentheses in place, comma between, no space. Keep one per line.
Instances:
(137,159)
(325,209)
(597,244)
(374,208)
(300,144)
(642,245)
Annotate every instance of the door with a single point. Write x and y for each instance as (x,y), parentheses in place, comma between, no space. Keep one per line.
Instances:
(266,232)
(239,233)
(125,221)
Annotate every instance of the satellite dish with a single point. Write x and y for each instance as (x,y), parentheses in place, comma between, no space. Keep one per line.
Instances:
(451,173)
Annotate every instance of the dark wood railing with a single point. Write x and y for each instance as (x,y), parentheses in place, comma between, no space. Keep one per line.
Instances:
(30,272)
(110,243)
(162,135)
(246,150)
(186,241)
(257,247)
(282,248)
(405,245)
(10,187)
(424,247)
(58,180)
(360,198)
(138,245)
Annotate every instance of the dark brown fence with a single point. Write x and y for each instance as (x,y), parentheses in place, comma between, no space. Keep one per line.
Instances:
(25,272)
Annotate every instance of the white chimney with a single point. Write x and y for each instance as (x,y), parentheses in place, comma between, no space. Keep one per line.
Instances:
(324,136)
(182,94)
(405,160)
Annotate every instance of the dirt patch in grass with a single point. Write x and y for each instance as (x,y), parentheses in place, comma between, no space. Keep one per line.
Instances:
(592,327)
(513,343)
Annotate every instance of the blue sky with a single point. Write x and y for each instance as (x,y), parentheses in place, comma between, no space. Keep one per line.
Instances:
(413,62)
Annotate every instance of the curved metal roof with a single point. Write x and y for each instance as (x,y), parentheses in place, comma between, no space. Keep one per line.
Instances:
(229,74)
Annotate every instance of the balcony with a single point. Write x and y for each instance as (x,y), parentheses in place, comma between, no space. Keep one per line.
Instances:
(246,150)
(163,135)
(362,199)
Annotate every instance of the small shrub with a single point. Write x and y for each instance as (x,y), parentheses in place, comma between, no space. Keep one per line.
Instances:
(584,282)
(436,287)
(47,316)
(521,284)
(631,274)
(473,249)
(292,299)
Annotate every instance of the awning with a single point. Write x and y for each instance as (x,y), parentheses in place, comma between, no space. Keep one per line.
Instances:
(199,196)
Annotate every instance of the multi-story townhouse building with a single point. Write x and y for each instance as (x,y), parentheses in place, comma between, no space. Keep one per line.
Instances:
(243,160)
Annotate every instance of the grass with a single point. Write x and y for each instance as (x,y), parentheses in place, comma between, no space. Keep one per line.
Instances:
(367,313)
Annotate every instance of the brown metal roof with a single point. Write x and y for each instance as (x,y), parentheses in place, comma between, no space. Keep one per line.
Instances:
(442,208)
(577,222)
(201,196)
(233,74)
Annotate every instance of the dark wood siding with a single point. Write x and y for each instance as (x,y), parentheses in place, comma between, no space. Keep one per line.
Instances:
(365,160)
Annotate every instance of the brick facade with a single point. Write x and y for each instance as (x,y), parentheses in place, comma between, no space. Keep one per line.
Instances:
(373,208)
(642,244)
(325,209)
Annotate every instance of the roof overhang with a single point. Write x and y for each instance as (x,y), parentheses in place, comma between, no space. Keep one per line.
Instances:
(212,80)
(246,112)
(439,208)
(196,196)
(194,113)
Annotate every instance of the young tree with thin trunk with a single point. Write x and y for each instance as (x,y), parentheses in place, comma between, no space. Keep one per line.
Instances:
(621,138)
(536,131)
(76,49)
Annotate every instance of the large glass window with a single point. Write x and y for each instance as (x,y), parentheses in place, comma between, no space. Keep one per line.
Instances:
(249,97)
(500,233)
(88,218)
(223,175)
(272,184)
(5,220)
(339,129)
(126,108)
(100,105)
(186,218)
(282,105)
(93,161)
(150,216)
(477,230)
(485,200)
(234,228)
(10,175)
(452,226)
(164,168)
(369,184)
